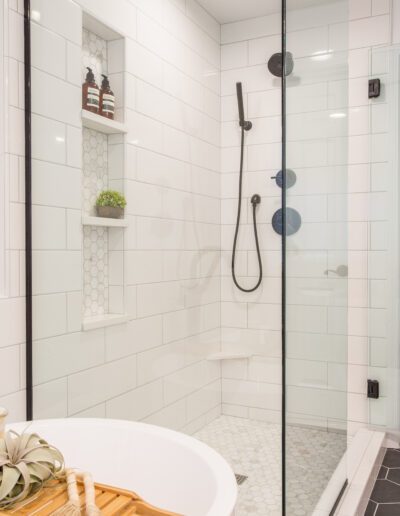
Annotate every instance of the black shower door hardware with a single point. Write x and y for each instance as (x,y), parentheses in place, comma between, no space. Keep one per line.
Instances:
(374,88)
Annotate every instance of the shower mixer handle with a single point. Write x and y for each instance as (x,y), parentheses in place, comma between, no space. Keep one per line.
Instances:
(289,179)
(342,271)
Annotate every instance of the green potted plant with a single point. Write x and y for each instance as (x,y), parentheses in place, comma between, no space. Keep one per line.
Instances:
(110,204)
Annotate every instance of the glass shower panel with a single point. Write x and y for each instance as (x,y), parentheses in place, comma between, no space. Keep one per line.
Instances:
(316,254)
(383,251)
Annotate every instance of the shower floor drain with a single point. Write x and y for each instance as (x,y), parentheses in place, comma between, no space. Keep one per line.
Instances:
(240,479)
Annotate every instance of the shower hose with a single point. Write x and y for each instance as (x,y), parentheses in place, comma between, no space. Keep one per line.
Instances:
(256,199)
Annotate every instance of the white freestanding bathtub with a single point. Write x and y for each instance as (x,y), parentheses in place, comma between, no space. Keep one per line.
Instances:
(168,469)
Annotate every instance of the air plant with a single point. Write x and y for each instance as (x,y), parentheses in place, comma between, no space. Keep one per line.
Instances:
(27,462)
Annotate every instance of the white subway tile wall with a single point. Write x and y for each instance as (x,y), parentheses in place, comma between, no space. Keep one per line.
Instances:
(166,268)
(369,202)
(252,322)
(12,302)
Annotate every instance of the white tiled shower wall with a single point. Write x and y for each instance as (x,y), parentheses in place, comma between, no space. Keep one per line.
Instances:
(316,366)
(12,302)
(153,367)
(314,358)
(171,65)
(372,347)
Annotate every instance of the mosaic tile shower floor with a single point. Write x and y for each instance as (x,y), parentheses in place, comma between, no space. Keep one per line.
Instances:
(253,448)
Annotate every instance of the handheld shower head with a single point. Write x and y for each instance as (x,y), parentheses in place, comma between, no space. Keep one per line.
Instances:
(245,125)
(242,122)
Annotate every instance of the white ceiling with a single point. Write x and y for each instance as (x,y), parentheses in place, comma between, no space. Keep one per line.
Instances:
(226,11)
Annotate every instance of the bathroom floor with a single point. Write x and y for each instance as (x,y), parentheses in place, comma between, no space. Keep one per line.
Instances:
(253,448)
(385,497)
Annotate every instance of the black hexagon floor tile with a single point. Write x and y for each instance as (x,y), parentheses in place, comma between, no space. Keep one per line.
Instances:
(394,475)
(392,459)
(383,472)
(371,508)
(385,497)
(385,491)
(388,509)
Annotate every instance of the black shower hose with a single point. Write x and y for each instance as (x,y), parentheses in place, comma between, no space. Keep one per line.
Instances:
(254,201)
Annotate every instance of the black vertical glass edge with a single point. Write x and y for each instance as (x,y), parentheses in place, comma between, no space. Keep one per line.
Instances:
(28,209)
(283,245)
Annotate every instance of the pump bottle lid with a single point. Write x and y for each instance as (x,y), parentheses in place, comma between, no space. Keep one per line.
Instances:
(106,82)
(90,75)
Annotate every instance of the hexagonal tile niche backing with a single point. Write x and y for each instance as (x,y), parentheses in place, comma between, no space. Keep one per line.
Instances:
(94,55)
(95,179)
(95,239)
(95,271)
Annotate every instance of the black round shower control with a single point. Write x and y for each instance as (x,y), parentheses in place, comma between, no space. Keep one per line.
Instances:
(291,178)
(293,221)
(275,64)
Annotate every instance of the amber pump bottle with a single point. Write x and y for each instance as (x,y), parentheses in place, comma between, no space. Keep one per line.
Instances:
(90,93)
(107,99)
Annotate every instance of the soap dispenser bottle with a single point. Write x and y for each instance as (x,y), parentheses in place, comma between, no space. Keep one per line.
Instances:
(90,93)
(107,99)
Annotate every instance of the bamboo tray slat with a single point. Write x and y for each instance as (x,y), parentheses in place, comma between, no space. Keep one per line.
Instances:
(110,500)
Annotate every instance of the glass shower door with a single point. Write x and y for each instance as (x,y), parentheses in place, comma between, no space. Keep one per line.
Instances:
(383,252)
(316,255)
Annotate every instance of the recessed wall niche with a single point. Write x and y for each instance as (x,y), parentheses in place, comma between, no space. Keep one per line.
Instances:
(103,167)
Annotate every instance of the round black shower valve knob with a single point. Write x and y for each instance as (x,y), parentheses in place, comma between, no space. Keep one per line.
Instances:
(291,178)
(293,221)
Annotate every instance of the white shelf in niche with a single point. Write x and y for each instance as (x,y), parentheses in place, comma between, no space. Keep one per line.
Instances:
(102,321)
(104,222)
(102,124)
(226,355)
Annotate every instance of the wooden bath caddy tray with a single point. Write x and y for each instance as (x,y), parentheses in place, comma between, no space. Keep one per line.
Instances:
(110,500)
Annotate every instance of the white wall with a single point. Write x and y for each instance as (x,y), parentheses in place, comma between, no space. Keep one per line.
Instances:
(370,177)
(251,322)
(12,304)
(153,368)
(366,214)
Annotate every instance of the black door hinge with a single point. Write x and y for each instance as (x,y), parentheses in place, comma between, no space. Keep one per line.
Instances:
(374,88)
(373,389)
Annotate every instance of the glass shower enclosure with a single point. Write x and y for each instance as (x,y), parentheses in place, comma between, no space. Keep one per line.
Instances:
(147,322)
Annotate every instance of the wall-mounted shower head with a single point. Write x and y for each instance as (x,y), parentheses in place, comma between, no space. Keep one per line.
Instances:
(275,64)
(242,122)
